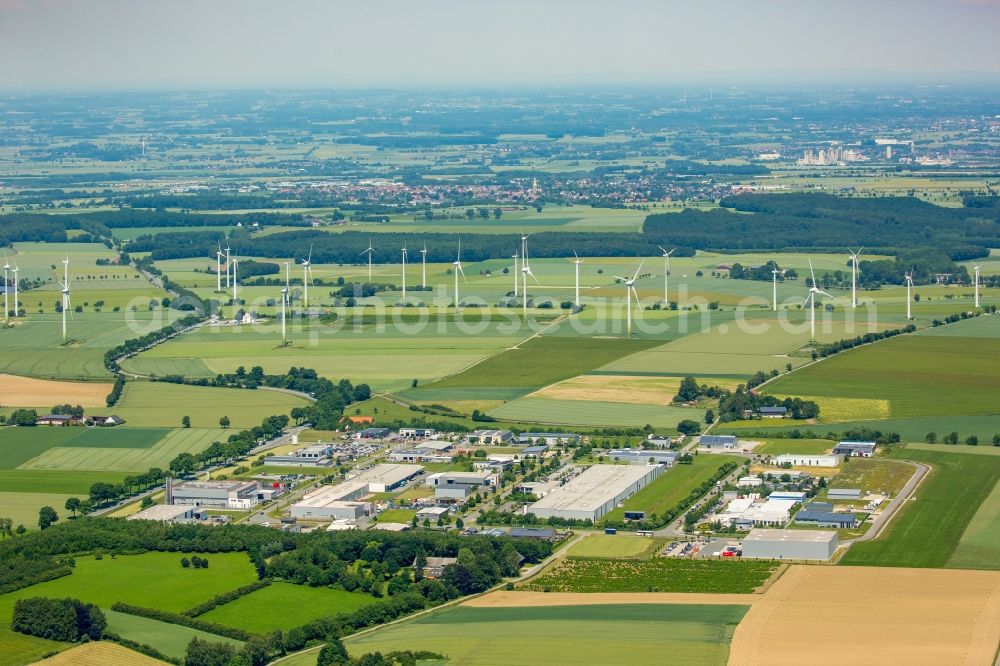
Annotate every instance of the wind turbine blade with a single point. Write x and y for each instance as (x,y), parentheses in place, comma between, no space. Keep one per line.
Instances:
(811,272)
(309,258)
(662,250)
(807,300)
(636,294)
(820,291)
(463,274)
(634,277)
(618,277)
(575,254)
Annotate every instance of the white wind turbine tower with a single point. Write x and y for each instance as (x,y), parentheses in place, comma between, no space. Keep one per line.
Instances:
(17,308)
(227,265)
(236,263)
(218,269)
(370,251)
(65,296)
(774,288)
(514,257)
(976,268)
(306,274)
(811,300)
(284,299)
(666,273)
(423,267)
(629,293)
(6,287)
(457,268)
(909,298)
(577,263)
(404,273)
(854,276)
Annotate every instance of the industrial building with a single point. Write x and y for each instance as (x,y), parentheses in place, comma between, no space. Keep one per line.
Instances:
(801,460)
(219,494)
(751,511)
(385,477)
(318,455)
(167,513)
(338,502)
(459,485)
(843,494)
(718,441)
(432,513)
(855,449)
(845,520)
(549,438)
(374,433)
(417,433)
(790,544)
(490,437)
(644,456)
(595,492)
(419,456)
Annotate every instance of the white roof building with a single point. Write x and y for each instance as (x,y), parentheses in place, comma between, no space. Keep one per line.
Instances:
(596,491)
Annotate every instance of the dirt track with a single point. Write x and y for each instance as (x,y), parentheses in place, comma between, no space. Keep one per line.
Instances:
(18,391)
(839,615)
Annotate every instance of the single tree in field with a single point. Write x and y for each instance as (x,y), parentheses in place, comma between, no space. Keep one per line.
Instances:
(186,421)
(709,416)
(6,528)
(73,504)
(46,516)
(996,439)
(333,654)
(224,422)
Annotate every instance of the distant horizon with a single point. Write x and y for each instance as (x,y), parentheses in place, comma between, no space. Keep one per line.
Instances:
(140,45)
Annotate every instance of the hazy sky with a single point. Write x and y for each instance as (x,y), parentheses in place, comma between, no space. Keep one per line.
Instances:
(127,44)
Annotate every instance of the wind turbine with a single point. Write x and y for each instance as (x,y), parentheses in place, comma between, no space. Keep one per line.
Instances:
(227,265)
(976,268)
(577,263)
(514,256)
(854,276)
(369,252)
(218,269)
(404,273)
(236,263)
(666,273)
(17,308)
(284,298)
(423,267)
(306,274)
(6,287)
(909,298)
(629,292)
(65,296)
(457,264)
(774,288)
(811,300)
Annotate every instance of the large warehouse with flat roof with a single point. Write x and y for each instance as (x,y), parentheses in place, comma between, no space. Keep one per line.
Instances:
(790,544)
(386,476)
(595,492)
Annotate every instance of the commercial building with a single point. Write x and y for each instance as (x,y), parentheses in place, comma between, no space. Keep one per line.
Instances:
(320,507)
(385,477)
(419,456)
(658,441)
(644,456)
(749,481)
(845,520)
(220,494)
(417,433)
(168,513)
(318,455)
(595,492)
(374,433)
(718,441)
(843,494)
(459,485)
(790,544)
(751,511)
(540,533)
(537,488)
(794,495)
(534,451)
(549,438)
(431,513)
(800,460)
(491,437)
(855,449)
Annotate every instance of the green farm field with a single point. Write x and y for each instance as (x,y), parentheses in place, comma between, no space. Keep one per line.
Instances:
(655,575)
(690,634)
(591,413)
(170,639)
(163,405)
(618,546)
(673,485)
(285,605)
(920,375)
(909,429)
(929,531)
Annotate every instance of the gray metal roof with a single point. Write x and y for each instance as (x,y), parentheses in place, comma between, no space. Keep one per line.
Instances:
(826,517)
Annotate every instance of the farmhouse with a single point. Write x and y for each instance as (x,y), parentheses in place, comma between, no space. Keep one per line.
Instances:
(167,513)
(800,460)
(790,544)
(718,441)
(773,412)
(644,456)
(595,492)
(385,477)
(855,449)
(435,566)
(106,421)
(58,420)
(827,518)
(221,494)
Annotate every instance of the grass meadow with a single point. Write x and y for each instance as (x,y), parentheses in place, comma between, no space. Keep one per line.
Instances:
(615,633)
(614,547)
(929,530)
(285,605)
(673,485)
(170,639)
(592,413)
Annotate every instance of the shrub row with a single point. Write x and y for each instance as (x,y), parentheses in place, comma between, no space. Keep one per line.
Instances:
(225,598)
(141,648)
(183,620)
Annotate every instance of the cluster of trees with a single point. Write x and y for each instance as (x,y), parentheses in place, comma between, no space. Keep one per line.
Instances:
(68,410)
(136,345)
(953,438)
(22,417)
(951,319)
(690,391)
(116,391)
(195,561)
(67,620)
(335,654)
(824,350)
(762,273)
(734,404)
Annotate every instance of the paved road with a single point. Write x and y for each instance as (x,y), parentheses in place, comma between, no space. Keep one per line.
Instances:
(894,505)
(676,527)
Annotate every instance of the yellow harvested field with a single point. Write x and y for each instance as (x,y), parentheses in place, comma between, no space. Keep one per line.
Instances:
(622,388)
(872,615)
(100,653)
(18,391)
(504,599)
(889,615)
